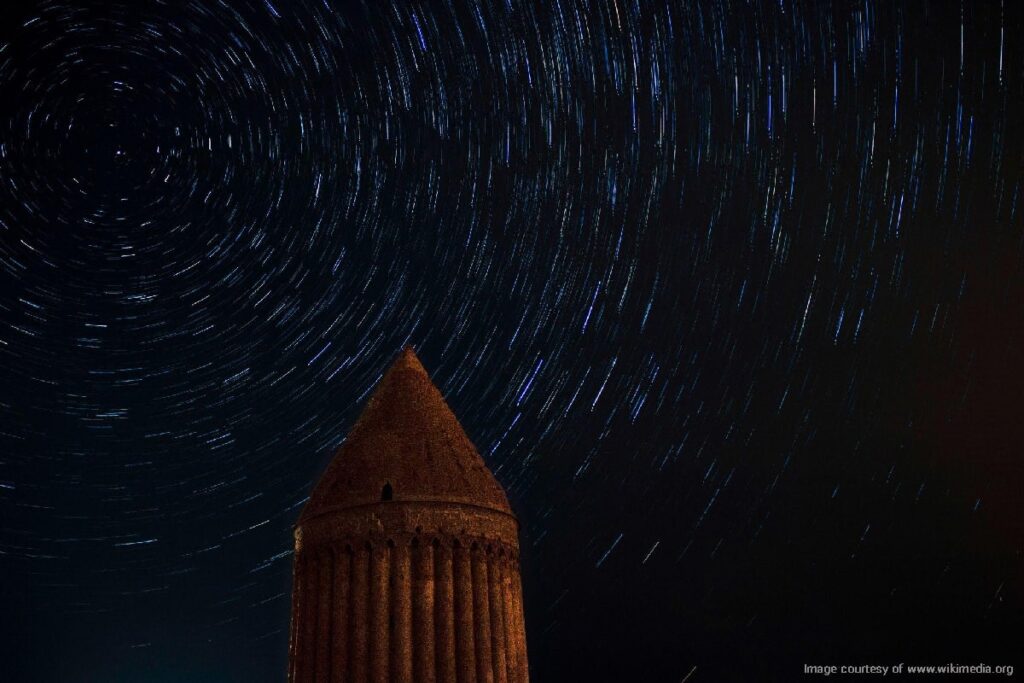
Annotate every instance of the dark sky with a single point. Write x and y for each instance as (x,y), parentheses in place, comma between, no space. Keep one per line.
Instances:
(729,295)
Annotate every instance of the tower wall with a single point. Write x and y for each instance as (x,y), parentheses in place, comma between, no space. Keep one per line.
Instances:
(418,591)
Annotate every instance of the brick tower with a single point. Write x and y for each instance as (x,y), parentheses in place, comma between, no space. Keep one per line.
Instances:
(407,553)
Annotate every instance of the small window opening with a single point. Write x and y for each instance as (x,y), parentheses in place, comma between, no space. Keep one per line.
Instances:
(387,493)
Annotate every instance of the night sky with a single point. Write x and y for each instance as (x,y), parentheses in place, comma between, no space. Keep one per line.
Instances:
(729,295)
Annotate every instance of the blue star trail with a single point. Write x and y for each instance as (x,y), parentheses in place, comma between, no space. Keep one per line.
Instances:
(727,294)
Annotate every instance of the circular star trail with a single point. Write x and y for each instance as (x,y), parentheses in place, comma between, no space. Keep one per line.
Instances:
(727,294)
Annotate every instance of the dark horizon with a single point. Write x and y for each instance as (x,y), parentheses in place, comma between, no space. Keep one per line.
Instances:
(727,295)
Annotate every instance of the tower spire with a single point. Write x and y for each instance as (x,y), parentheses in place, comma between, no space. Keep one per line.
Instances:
(406,437)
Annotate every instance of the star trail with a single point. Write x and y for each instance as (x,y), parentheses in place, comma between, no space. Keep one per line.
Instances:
(727,294)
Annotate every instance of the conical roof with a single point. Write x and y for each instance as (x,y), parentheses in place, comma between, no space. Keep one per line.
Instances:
(406,446)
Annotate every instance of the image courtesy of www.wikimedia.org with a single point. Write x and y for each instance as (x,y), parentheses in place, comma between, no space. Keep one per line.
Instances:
(903,668)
